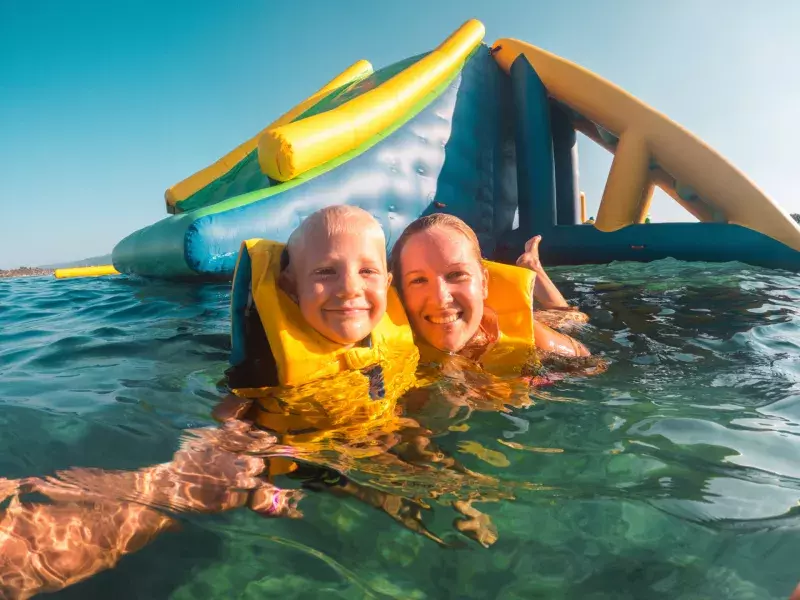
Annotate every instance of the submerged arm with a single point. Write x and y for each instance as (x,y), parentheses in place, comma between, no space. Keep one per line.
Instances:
(99,516)
(47,547)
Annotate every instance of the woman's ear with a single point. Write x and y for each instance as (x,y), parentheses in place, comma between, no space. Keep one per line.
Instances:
(485,283)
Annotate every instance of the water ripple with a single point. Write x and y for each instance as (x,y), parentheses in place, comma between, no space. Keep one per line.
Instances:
(675,474)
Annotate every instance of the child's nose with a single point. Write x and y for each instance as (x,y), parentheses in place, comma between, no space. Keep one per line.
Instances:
(351,285)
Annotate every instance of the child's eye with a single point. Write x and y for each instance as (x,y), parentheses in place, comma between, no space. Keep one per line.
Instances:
(368,271)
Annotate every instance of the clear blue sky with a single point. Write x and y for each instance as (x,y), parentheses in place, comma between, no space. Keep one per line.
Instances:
(103,105)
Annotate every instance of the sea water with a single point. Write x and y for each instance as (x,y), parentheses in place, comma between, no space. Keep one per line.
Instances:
(673,475)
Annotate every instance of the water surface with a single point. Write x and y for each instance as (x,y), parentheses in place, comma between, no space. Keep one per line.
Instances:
(674,475)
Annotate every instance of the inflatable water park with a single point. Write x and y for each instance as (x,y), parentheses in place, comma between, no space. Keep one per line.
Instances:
(485,132)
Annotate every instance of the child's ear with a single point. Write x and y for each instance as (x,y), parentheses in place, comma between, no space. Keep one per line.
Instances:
(288,284)
(388,280)
(485,283)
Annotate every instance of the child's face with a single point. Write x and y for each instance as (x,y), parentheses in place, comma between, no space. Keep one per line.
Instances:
(341,281)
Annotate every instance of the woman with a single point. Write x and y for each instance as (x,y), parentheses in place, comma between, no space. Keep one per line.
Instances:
(469,322)
(444,286)
(473,333)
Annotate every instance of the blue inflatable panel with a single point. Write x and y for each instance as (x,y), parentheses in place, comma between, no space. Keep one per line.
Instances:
(535,166)
(156,251)
(240,296)
(705,242)
(565,157)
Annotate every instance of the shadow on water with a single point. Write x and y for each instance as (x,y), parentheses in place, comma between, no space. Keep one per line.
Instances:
(36,442)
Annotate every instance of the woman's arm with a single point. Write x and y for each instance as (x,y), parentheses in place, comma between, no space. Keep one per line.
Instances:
(215,470)
(557,343)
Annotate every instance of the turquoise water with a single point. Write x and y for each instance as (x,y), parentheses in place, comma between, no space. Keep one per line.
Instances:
(676,474)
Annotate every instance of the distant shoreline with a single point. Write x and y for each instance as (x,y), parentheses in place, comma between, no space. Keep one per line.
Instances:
(25,272)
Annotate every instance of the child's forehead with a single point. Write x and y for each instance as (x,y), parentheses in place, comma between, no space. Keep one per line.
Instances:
(366,244)
(331,224)
(335,231)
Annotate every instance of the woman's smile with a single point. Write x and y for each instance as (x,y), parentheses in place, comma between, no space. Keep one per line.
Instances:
(444,319)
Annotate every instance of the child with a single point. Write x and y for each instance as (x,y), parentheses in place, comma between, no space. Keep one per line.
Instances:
(320,340)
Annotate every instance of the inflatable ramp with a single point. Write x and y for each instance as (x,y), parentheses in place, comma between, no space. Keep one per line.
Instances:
(487,133)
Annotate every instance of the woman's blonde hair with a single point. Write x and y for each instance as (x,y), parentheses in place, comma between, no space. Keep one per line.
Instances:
(424,224)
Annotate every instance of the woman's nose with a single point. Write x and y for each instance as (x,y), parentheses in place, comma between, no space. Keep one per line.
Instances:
(443,295)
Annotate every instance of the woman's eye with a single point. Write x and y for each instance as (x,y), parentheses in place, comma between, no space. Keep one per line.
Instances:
(457,275)
(325,271)
(417,281)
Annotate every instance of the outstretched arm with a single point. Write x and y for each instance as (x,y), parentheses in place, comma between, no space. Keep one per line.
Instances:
(213,471)
(99,516)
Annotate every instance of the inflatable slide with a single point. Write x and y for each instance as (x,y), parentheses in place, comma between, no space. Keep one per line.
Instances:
(487,133)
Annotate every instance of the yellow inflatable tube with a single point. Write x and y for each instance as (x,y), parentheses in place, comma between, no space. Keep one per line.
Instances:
(286,151)
(720,191)
(86,272)
(190,185)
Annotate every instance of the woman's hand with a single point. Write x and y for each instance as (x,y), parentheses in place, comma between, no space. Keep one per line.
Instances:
(530,258)
(544,290)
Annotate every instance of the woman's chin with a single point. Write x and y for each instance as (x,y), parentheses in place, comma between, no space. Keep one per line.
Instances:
(452,346)
(451,337)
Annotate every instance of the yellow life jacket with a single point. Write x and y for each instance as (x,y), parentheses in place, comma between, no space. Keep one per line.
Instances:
(322,387)
(510,296)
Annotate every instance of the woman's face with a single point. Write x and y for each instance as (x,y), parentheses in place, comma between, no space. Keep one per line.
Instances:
(444,286)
